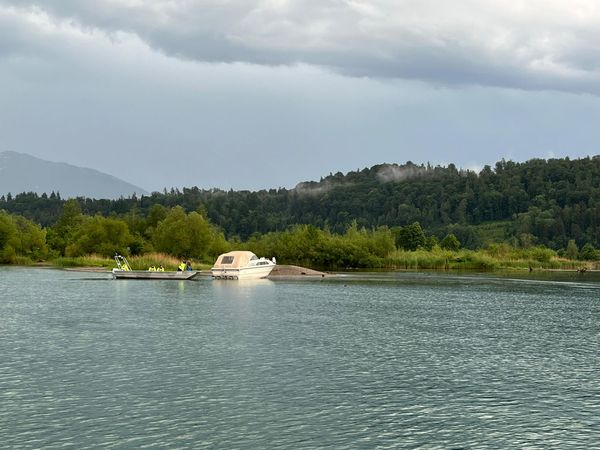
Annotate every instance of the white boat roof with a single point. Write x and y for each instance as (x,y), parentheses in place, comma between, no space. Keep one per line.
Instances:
(234,260)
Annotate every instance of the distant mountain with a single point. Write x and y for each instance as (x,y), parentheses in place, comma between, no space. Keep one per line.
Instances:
(20,172)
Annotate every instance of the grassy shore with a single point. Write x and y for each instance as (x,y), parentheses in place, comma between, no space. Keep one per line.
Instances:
(498,258)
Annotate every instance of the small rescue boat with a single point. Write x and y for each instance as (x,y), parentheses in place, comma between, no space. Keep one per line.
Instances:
(123,272)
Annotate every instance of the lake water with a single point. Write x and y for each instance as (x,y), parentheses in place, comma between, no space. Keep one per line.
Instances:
(363,361)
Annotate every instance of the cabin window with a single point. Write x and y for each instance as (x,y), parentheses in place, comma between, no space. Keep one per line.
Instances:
(227,260)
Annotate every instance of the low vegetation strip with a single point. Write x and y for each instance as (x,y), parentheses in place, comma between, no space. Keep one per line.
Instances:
(482,260)
(398,260)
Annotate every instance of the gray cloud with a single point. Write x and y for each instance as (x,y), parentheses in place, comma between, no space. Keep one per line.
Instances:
(538,44)
(258,96)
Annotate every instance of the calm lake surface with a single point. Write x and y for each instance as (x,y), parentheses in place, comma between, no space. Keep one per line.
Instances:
(362,361)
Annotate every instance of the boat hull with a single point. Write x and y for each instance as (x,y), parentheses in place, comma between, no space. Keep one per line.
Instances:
(244,273)
(151,275)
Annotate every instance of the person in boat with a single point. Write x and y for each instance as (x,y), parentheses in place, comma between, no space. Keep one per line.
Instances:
(181,266)
(161,268)
(188,265)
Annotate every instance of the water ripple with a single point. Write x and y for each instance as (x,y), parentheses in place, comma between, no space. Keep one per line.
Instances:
(408,363)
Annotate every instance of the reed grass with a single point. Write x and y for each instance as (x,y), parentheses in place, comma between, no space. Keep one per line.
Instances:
(438,259)
(143,262)
(140,262)
(482,260)
(22,261)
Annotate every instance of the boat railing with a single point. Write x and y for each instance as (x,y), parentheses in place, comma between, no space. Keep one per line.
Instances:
(122,263)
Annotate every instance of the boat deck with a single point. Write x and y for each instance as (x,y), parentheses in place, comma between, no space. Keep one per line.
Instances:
(152,275)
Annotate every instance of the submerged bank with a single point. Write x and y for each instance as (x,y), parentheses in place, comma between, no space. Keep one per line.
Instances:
(291,271)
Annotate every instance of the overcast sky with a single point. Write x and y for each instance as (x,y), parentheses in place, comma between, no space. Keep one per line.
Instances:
(249,94)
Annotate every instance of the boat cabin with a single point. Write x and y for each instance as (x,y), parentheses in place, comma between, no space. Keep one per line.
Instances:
(235,260)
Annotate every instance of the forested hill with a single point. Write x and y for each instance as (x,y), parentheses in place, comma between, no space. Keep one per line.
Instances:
(538,201)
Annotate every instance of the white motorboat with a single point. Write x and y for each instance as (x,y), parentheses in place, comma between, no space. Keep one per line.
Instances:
(241,265)
(123,271)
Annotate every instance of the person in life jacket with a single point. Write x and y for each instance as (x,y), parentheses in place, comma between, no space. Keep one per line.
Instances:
(181,266)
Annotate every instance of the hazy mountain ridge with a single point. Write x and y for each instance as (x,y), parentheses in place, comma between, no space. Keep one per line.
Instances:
(21,172)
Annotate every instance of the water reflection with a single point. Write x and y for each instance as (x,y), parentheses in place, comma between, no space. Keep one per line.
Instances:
(243,283)
(241,289)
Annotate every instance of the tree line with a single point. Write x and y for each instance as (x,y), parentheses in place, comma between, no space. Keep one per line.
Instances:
(189,235)
(553,203)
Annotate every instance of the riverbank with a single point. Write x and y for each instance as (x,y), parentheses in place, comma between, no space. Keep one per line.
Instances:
(293,272)
(488,260)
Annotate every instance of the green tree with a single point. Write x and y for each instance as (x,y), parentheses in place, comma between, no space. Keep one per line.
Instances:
(589,253)
(61,234)
(431,242)
(572,251)
(101,235)
(450,242)
(21,237)
(30,239)
(8,231)
(188,235)
(410,237)
(156,214)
